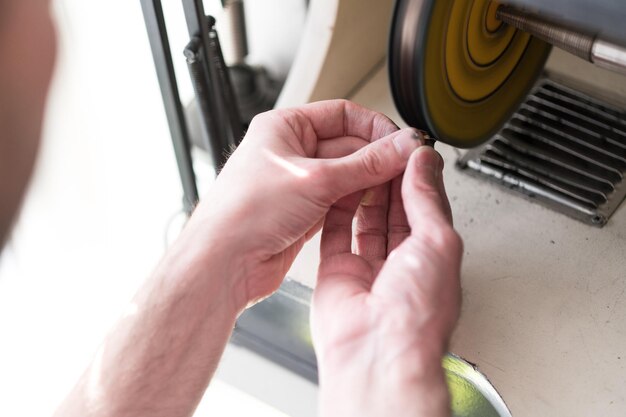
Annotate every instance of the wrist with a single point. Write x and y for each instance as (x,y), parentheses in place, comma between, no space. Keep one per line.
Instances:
(416,388)
(400,373)
(209,257)
(414,367)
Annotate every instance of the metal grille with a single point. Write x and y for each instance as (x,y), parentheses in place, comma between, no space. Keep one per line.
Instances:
(562,148)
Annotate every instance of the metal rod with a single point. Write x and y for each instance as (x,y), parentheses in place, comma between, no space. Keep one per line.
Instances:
(206,104)
(236,49)
(609,56)
(223,85)
(161,53)
(198,24)
(604,54)
(211,68)
(197,21)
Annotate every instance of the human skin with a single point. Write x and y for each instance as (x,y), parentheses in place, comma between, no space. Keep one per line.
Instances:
(272,195)
(388,297)
(27,48)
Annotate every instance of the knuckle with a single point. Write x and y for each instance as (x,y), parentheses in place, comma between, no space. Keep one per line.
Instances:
(261,117)
(319,173)
(420,185)
(372,163)
(415,185)
(321,183)
(346,106)
(271,115)
(444,239)
(382,126)
(400,229)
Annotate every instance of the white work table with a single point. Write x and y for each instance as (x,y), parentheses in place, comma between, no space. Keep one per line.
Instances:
(544,296)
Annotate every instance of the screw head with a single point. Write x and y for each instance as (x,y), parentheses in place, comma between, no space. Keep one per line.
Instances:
(598,219)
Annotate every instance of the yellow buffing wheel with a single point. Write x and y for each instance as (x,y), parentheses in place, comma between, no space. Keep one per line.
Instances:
(456,70)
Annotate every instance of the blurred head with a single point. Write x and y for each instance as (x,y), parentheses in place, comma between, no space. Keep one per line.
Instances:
(27,52)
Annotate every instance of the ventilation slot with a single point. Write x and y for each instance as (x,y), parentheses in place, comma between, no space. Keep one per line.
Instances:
(562,148)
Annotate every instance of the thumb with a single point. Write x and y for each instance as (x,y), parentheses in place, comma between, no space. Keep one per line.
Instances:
(425,268)
(374,164)
(423,195)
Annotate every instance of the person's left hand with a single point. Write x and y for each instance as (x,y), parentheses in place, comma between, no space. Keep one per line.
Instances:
(276,188)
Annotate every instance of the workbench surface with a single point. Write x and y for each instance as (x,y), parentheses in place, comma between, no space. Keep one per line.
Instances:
(544,296)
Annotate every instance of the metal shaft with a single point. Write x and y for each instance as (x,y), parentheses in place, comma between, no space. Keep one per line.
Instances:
(588,47)
(162,54)
(235,44)
(208,104)
(609,56)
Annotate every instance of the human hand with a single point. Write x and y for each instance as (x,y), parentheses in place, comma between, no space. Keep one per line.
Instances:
(382,316)
(273,193)
(276,188)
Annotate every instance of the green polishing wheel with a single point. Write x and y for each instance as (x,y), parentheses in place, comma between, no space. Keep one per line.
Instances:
(457,71)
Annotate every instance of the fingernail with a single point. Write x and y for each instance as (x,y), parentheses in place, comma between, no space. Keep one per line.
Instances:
(367,198)
(407,140)
(419,134)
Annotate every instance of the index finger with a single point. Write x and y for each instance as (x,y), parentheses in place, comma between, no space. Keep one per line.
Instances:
(338,118)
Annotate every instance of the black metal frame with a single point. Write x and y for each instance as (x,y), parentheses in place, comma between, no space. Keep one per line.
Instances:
(212,84)
(218,106)
(278,327)
(162,55)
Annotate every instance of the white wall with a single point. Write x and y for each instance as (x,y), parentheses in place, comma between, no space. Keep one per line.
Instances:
(94,222)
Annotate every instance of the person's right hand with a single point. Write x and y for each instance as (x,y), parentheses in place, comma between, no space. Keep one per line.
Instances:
(383,314)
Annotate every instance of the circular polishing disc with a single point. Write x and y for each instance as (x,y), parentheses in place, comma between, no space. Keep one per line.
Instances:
(457,71)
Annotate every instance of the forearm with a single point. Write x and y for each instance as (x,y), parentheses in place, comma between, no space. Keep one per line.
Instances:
(159,358)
